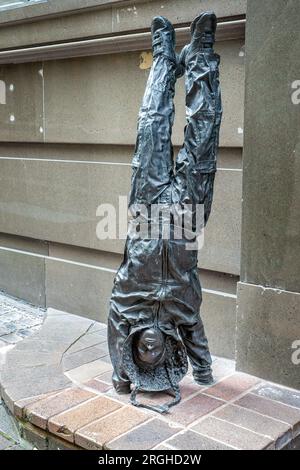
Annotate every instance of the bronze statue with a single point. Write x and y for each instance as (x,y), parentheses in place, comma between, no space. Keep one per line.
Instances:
(154,322)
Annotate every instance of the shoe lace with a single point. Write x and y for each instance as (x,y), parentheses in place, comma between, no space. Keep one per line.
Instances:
(206,37)
(157,39)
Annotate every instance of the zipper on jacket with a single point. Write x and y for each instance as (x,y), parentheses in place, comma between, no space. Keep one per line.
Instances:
(164,275)
(165,262)
(156,318)
(164,268)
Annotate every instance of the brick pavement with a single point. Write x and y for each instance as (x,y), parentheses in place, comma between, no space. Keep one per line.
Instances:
(68,401)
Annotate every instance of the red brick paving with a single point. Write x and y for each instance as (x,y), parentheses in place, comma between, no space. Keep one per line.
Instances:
(194,408)
(232,435)
(97,385)
(233,386)
(100,432)
(238,412)
(271,408)
(190,440)
(277,430)
(144,437)
(67,423)
(38,413)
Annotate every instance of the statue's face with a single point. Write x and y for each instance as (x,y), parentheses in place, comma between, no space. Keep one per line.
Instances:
(150,347)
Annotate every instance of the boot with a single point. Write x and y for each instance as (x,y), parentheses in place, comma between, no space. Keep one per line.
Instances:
(204,378)
(163,38)
(121,386)
(203,30)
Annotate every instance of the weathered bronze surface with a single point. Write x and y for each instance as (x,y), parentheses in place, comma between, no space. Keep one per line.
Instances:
(154,322)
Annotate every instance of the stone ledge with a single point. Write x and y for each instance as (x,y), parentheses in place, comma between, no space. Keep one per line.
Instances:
(64,399)
(227,30)
(57,8)
(268,324)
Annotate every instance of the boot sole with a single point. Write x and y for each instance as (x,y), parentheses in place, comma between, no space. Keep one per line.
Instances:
(203,15)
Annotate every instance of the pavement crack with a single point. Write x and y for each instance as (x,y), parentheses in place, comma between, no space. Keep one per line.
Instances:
(76,340)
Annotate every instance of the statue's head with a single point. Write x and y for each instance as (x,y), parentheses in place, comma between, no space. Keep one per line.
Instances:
(153,359)
(149,348)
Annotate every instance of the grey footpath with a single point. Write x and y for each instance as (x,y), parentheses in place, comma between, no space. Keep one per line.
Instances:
(34,366)
(18,320)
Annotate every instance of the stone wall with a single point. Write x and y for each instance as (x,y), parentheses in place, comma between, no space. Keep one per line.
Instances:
(67,135)
(268,320)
